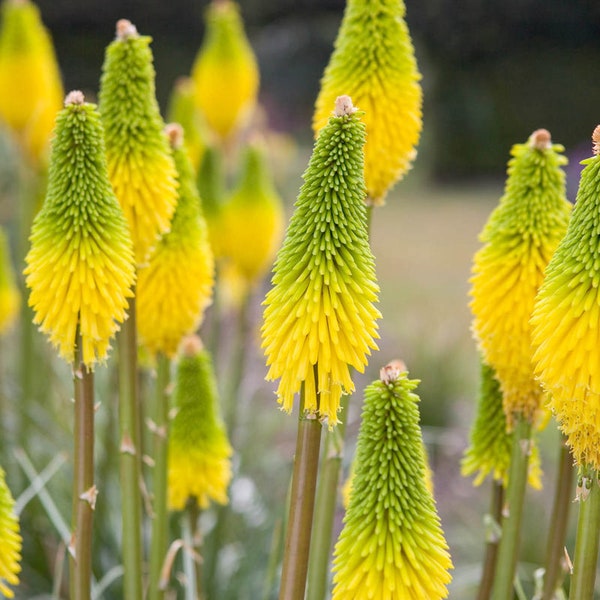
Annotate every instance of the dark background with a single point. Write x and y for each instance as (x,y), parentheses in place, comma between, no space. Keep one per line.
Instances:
(493,70)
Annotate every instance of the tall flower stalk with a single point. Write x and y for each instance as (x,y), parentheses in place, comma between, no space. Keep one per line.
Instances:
(518,241)
(143,175)
(320,318)
(565,335)
(392,544)
(80,269)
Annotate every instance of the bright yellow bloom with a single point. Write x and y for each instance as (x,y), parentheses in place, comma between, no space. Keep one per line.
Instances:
(10,541)
(252,223)
(225,72)
(392,545)
(374,63)
(199,452)
(175,286)
(32,91)
(491,444)
(140,164)
(80,265)
(10,299)
(519,239)
(565,322)
(320,317)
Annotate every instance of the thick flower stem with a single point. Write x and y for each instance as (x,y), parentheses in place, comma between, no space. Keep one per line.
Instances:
(130,461)
(513,511)
(554,573)
(302,501)
(160,523)
(84,490)
(586,545)
(326,503)
(491,546)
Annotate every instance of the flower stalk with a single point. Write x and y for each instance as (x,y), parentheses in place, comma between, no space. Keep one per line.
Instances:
(492,540)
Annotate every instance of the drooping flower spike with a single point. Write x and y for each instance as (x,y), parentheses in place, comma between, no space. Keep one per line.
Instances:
(320,319)
(225,72)
(10,299)
(490,445)
(80,266)
(175,286)
(519,239)
(30,81)
(565,322)
(374,63)
(199,451)
(10,541)
(392,544)
(140,164)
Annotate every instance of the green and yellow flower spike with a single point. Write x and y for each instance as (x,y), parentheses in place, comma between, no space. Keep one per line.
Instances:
(252,221)
(175,286)
(225,72)
(519,239)
(374,62)
(199,451)
(30,81)
(320,318)
(10,541)
(140,165)
(10,299)
(565,322)
(182,109)
(80,266)
(491,444)
(392,544)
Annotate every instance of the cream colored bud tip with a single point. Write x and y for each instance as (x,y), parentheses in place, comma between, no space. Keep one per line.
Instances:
(540,139)
(596,140)
(392,371)
(74,97)
(125,29)
(343,106)
(174,132)
(191,346)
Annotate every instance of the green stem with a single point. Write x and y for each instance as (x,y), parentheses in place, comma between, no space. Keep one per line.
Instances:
(513,511)
(554,573)
(491,547)
(193,517)
(325,505)
(130,459)
(586,545)
(84,490)
(302,501)
(160,523)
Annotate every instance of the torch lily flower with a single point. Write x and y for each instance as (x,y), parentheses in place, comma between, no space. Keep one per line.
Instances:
(392,544)
(10,541)
(10,299)
(199,451)
(140,165)
(320,317)
(519,239)
(374,63)
(80,266)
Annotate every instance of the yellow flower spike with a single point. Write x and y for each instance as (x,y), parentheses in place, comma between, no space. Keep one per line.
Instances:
(31,87)
(140,164)
(392,544)
(519,239)
(10,299)
(491,444)
(225,72)
(252,222)
(80,266)
(374,63)
(321,310)
(565,323)
(199,451)
(175,286)
(10,541)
